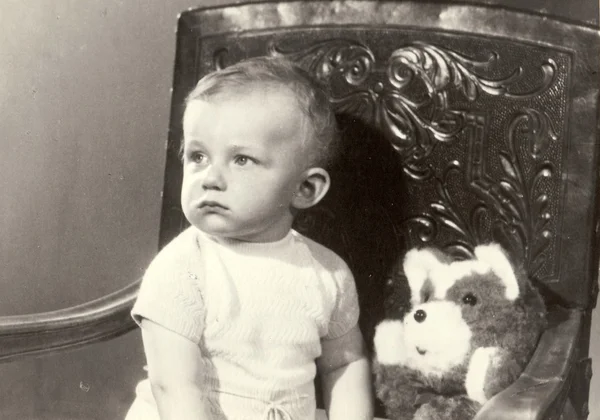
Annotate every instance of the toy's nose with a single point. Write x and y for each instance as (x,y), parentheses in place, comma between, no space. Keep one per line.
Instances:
(420,315)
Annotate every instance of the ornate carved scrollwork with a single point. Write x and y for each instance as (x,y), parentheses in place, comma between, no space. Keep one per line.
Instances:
(412,123)
(522,206)
(444,211)
(412,100)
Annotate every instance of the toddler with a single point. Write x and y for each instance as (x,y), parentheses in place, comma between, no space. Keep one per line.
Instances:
(240,311)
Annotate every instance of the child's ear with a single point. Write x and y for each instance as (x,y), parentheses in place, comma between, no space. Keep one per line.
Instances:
(312,188)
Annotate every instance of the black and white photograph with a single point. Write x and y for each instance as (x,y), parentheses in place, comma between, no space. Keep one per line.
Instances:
(299,210)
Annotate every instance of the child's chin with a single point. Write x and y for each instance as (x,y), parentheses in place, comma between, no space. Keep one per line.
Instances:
(215,229)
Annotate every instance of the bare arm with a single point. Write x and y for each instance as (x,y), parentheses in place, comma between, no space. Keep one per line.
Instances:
(346,378)
(174,372)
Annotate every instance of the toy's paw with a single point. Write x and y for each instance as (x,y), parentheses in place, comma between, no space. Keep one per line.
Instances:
(389,343)
(491,369)
(483,359)
(427,412)
(444,408)
(435,409)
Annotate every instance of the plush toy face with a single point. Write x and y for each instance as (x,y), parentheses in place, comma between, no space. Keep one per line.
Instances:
(468,334)
(450,302)
(437,337)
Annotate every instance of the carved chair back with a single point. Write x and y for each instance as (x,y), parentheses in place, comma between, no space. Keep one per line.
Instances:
(461,125)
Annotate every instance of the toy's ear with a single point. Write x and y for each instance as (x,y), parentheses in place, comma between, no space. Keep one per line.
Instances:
(418,264)
(494,255)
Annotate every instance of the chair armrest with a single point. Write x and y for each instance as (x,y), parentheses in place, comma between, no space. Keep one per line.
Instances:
(541,390)
(49,332)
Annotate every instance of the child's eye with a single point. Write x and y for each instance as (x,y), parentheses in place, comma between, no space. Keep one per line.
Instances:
(196,157)
(242,160)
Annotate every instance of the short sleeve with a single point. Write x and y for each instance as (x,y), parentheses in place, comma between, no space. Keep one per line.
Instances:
(170,294)
(346,309)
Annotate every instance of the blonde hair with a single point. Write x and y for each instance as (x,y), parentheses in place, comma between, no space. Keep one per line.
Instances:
(278,73)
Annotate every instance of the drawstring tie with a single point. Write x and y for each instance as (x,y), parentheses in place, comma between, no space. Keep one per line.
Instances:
(276,412)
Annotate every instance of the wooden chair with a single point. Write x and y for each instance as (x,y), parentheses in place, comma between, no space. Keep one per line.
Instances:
(461,125)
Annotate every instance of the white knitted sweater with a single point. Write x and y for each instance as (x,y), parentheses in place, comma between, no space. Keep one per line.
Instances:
(258,311)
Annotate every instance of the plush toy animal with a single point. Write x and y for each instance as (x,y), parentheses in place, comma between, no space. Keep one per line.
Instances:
(470,330)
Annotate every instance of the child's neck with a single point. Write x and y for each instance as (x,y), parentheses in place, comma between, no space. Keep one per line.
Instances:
(269,249)
(253,240)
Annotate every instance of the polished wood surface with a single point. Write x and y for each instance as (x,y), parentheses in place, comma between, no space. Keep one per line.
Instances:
(98,320)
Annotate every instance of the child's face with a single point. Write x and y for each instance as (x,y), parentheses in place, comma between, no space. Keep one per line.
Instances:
(244,160)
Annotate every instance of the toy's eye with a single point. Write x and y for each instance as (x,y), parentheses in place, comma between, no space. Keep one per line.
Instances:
(469,299)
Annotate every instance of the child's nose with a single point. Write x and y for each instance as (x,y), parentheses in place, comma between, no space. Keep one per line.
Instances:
(214,179)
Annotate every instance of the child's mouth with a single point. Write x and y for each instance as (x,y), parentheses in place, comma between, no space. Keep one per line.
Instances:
(212,206)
